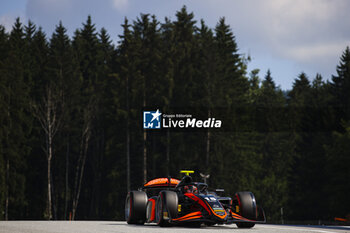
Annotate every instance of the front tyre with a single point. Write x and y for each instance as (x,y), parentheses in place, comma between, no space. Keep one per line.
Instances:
(247,208)
(166,207)
(135,207)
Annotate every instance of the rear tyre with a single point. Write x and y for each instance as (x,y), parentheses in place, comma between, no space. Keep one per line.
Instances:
(247,208)
(135,207)
(166,208)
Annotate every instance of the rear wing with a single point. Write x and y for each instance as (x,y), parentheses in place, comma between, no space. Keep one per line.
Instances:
(161,183)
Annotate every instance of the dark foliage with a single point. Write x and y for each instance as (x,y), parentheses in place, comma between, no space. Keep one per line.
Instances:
(290,148)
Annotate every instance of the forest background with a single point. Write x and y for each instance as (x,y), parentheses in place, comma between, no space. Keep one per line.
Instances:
(72,140)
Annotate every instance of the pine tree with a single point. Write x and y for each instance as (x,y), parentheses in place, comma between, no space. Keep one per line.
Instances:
(85,44)
(103,121)
(205,81)
(336,151)
(3,54)
(142,35)
(233,86)
(126,72)
(17,124)
(167,71)
(336,163)
(340,87)
(63,79)
(269,106)
(3,41)
(184,92)
(37,55)
(299,102)
(307,109)
(47,108)
(184,55)
(277,147)
(254,85)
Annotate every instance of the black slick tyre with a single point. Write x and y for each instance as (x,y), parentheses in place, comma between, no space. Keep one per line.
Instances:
(166,208)
(135,207)
(171,203)
(247,208)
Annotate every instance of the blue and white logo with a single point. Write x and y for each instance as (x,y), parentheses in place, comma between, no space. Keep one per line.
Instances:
(151,119)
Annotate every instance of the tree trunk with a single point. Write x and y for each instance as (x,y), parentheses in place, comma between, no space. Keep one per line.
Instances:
(144,157)
(208,146)
(53,200)
(49,155)
(48,189)
(80,173)
(168,153)
(153,152)
(77,169)
(67,176)
(76,179)
(84,144)
(100,174)
(144,144)
(97,166)
(127,137)
(47,114)
(7,188)
(128,158)
(7,164)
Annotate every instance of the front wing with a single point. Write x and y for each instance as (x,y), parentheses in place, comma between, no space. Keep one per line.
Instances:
(207,214)
(197,216)
(235,218)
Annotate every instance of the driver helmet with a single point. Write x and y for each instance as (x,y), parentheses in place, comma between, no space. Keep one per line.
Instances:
(190,189)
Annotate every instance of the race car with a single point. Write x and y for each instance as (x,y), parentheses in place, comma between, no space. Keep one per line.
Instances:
(169,201)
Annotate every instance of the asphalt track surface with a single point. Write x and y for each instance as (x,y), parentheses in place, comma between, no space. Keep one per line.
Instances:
(121,227)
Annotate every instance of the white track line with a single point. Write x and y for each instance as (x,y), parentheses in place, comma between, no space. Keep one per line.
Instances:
(297,229)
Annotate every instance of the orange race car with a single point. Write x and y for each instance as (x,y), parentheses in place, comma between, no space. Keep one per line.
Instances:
(169,201)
